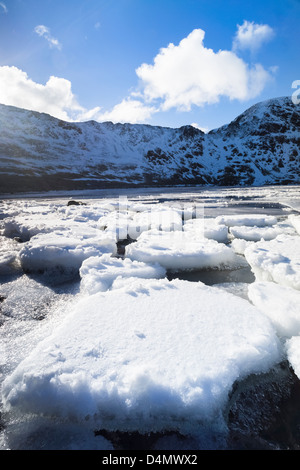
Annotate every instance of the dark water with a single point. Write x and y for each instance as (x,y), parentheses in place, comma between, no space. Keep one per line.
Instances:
(211,277)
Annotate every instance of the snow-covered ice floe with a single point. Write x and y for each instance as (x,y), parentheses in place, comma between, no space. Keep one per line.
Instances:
(276,260)
(65,250)
(295,221)
(258,220)
(34,219)
(181,251)
(98,273)
(293,353)
(151,356)
(207,228)
(239,245)
(254,233)
(280,303)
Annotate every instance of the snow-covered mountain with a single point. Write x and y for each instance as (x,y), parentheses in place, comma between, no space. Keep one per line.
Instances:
(39,152)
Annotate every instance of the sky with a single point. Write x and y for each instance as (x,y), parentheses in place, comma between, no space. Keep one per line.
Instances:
(160,62)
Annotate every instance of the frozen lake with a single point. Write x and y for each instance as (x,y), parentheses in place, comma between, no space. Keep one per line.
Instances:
(134,318)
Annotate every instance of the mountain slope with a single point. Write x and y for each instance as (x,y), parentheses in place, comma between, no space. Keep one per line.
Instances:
(39,152)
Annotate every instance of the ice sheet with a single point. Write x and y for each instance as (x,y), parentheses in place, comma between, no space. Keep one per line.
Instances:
(293,353)
(258,220)
(277,260)
(65,249)
(154,355)
(255,233)
(208,228)
(280,303)
(295,220)
(99,273)
(181,250)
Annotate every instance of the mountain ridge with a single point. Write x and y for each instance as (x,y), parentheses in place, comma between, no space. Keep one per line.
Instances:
(38,152)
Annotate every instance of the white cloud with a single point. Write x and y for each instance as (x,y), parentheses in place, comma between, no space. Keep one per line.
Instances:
(129,110)
(43,31)
(88,114)
(55,97)
(203,129)
(191,74)
(4,7)
(181,77)
(251,35)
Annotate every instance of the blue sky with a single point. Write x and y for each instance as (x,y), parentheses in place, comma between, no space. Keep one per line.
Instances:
(161,62)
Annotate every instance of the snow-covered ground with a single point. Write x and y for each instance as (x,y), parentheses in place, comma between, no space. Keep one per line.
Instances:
(102,329)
